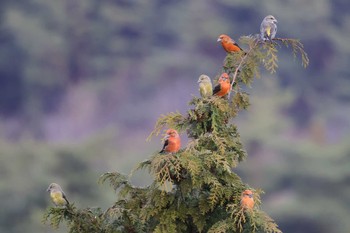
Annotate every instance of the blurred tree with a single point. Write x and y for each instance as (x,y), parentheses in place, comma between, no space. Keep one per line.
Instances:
(11,66)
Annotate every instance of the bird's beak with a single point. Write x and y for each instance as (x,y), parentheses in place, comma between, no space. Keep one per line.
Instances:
(199,81)
(219,39)
(48,190)
(276,21)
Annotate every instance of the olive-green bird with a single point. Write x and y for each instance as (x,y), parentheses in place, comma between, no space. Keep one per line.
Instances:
(268,28)
(205,86)
(57,195)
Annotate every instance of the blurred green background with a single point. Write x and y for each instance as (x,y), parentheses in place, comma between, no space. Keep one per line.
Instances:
(82,83)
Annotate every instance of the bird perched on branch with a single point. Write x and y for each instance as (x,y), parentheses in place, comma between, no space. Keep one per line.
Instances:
(57,195)
(172,142)
(205,86)
(223,87)
(268,28)
(229,44)
(247,201)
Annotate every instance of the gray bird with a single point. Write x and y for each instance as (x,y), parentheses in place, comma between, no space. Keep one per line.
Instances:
(268,28)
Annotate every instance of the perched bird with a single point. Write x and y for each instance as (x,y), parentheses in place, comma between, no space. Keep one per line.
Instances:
(172,142)
(268,28)
(205,86)
(57,195)
(229,44)
(247,201)
(223,87)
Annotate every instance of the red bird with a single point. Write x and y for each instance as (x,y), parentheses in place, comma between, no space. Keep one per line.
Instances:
(247,201)
(172,142)
(229,44)
(224,86)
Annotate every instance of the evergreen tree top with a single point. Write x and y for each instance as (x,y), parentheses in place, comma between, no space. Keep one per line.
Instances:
(195,189)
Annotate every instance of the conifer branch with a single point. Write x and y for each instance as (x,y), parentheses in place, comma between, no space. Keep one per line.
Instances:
(116,180)
(240,64)
(172,120)
(297,47)
(270,60)
(263,51)
(220,227)
(56,215)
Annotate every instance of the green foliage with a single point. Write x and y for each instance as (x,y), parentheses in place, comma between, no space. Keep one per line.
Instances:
(76,219)
(172,120)
(195,189)
(57,215)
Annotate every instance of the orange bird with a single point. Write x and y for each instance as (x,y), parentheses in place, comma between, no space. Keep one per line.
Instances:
(224,86)
(229,44)
(172,142)
(247,201)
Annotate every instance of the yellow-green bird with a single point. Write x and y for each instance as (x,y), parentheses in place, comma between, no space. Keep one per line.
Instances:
(268,28)
(57,195)
(205,86)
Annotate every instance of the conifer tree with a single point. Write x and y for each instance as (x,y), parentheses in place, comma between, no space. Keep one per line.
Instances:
(195,189)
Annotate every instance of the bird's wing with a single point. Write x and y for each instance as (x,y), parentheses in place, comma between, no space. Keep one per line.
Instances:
(165,145)
(234,42)
(65,198)
(217,88)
